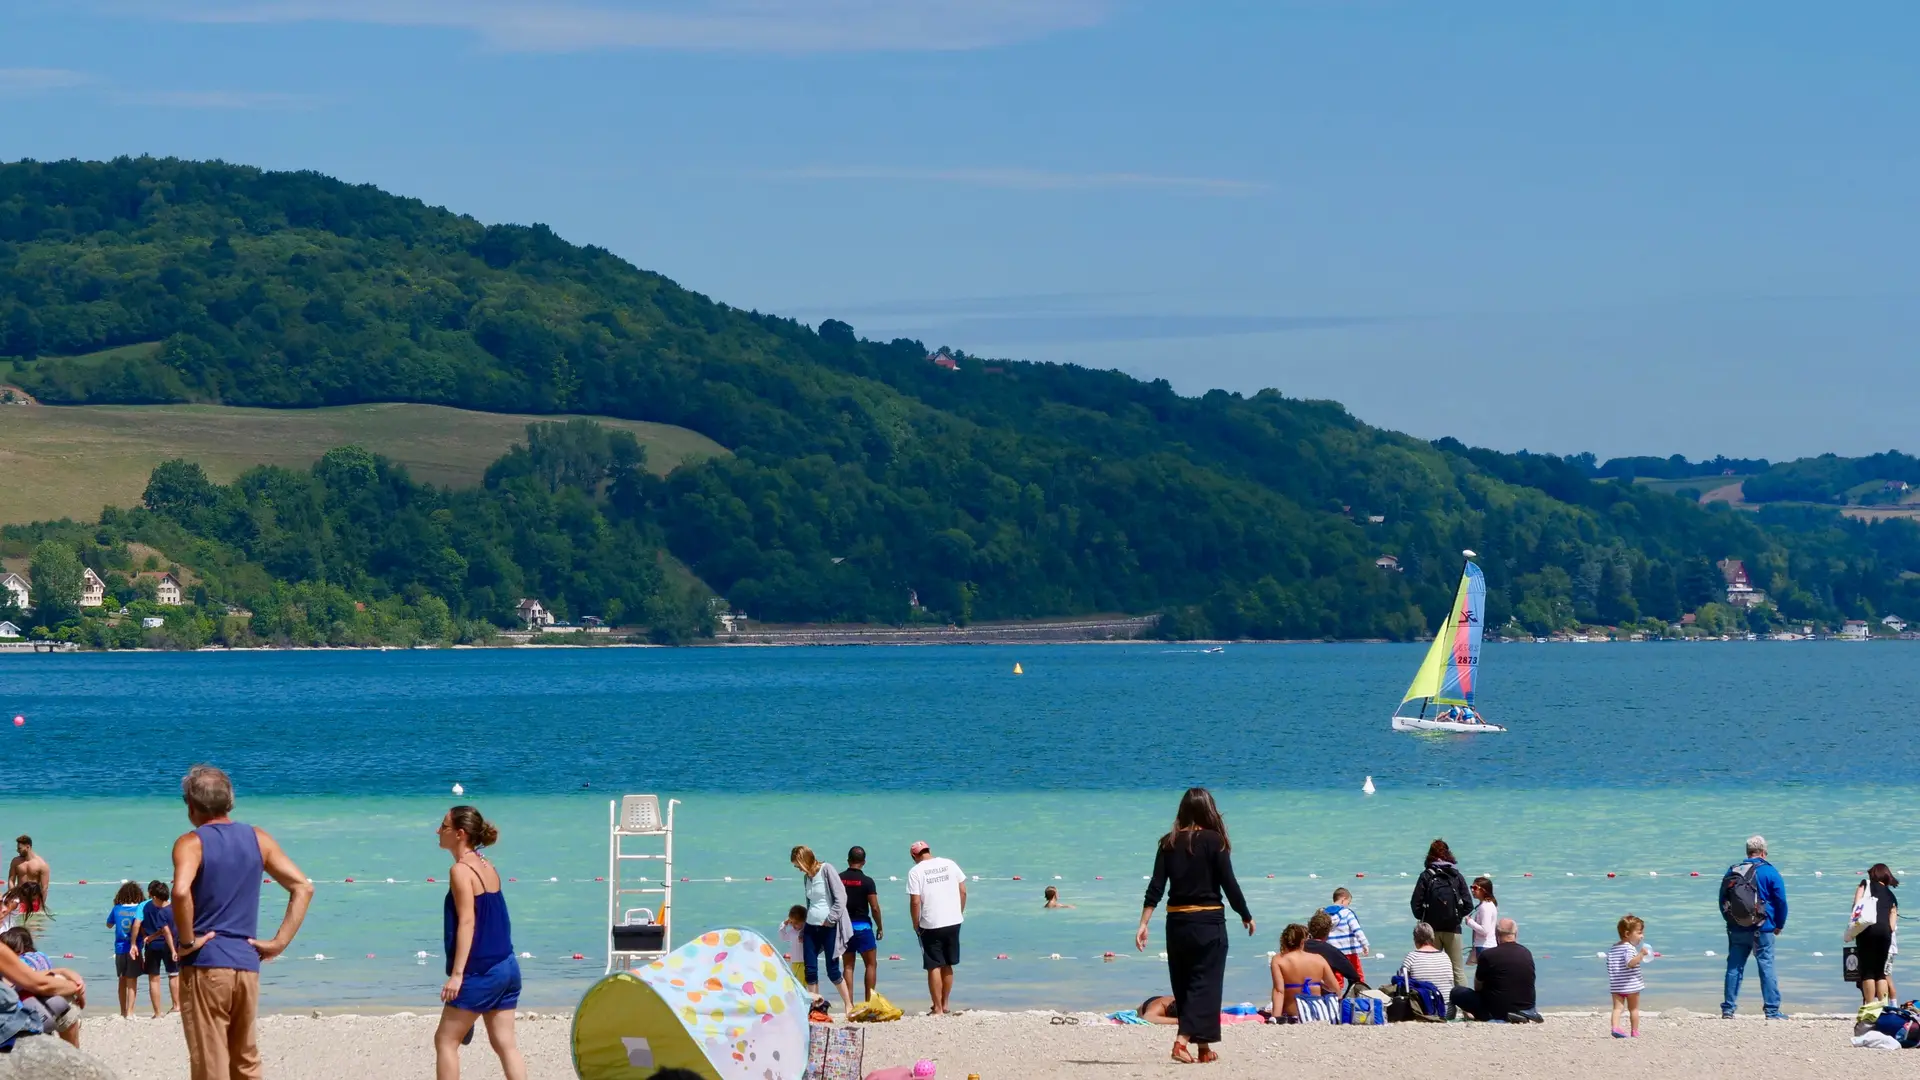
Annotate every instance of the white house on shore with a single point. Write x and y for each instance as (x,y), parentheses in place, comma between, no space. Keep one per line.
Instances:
(1854,630)
(93,591)
(17,590)
(533,614)
(166,587)
(8,630)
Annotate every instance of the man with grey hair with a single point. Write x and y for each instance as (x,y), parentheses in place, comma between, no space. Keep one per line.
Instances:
(216,913)
(1753,900)
(1503,980)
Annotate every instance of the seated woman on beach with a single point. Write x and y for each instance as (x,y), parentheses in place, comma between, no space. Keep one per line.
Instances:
(1297,971)
(1428,962)
(57,1014)
(16,1018)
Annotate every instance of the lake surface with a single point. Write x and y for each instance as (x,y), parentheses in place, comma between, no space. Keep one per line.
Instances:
(1649,761)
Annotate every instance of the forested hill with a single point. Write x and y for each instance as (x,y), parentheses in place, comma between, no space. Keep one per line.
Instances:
(865,474)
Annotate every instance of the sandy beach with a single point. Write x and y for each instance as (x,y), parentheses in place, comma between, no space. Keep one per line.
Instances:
(1014,1046)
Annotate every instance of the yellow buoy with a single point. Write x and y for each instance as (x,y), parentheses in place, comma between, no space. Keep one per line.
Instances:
(1016,670)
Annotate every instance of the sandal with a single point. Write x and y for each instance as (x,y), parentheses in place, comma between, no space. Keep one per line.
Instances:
(1207,1054)
(1182,1054)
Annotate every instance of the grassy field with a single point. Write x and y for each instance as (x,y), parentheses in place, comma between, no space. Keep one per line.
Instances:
(1702,484)
(70,461)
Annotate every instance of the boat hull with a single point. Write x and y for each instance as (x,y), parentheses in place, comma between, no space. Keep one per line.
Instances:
(1411,723)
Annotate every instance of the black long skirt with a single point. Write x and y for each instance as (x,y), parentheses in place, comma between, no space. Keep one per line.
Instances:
(1197,964)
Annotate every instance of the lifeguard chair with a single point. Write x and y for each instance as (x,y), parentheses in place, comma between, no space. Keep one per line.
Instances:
(638,834)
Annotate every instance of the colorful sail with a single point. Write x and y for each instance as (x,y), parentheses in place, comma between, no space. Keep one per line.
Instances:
(1446,674)
(1461,662)
(1426,681)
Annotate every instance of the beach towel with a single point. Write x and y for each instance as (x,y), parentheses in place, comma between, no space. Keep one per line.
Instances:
(1127,1016)
(1317,1008)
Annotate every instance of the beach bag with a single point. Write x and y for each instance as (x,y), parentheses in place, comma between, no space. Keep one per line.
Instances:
(1318,1008)
(1901,1024)
(1740,899)
(1415,999)
(1865,914)
(875,1010)
(1363,1011)
(835,1052)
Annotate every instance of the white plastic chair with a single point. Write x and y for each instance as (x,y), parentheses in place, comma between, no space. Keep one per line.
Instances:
(640,813)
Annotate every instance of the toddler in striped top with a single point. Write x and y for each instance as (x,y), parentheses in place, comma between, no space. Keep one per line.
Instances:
(1624,978)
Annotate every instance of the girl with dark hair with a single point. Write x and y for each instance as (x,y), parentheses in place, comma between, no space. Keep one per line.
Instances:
(127,905)
(1442,900)
(1481,921)
(1873,934)
(1193,869)
(483,976)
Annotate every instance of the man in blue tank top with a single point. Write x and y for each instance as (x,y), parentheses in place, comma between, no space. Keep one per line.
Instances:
(216,916)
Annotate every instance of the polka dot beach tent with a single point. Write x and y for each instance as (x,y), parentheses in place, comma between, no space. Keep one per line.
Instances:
(723,1005)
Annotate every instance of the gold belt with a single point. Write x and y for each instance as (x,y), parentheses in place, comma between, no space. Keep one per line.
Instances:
(1183,909)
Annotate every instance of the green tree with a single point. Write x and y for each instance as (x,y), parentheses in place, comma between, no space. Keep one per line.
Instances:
(57,578)
(178,489)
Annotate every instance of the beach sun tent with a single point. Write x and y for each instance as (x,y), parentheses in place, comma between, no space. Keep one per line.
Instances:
(724,1005)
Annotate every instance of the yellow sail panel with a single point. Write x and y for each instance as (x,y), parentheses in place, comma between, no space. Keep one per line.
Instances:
(1426,681)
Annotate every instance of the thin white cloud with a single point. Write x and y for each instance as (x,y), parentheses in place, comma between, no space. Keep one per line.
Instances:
(1019,179)
(791,26)
(33,80)
(231,100)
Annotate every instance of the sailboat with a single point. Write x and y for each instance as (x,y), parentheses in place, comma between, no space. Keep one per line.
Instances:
(1451,671)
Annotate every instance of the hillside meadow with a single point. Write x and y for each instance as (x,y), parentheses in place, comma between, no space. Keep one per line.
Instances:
(69,461)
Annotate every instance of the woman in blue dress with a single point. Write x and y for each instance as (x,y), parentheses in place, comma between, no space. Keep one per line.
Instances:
(483,976)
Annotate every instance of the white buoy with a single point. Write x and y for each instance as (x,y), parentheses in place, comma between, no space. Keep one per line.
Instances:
(1468,552)
(1367,788)
(458,790)
(421,955)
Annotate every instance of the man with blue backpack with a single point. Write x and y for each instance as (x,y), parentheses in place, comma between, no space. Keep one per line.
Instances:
(1753,900)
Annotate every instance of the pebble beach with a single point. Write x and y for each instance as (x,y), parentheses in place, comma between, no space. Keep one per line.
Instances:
(1021,1045)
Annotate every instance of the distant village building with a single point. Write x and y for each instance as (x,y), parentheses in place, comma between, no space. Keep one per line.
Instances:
(1740,590)
(533,614)
(166,587)
(1387,562)
(942,360)
(1376,519)
(1854,630)
(93,591)
(8,630)
(1894,623)
(17,590)
(151,622)
(731,622)
(1897,485)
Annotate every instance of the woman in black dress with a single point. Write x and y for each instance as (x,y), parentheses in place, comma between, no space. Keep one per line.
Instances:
(1874,941)
(1194,870)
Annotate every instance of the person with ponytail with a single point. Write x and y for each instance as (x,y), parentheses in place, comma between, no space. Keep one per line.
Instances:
(483,976)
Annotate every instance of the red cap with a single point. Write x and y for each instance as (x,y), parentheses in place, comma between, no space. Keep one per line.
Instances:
(918,846)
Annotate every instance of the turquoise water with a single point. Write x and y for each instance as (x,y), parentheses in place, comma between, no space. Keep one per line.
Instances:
(1649,761)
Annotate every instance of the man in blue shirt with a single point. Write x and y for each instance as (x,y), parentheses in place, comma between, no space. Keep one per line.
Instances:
(1755,940)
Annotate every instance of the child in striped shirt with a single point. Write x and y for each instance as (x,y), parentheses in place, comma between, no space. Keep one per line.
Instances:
(1624,978)
(1347,935)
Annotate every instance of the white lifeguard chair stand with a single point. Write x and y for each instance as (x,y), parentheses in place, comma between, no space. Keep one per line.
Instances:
(638,934)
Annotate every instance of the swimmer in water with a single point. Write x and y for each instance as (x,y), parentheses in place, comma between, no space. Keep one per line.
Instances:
(1053,901)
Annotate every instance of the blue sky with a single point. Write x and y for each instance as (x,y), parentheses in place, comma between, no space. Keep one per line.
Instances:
(1626,228)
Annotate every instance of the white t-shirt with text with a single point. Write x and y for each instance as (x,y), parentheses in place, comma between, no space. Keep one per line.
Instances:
(936,882)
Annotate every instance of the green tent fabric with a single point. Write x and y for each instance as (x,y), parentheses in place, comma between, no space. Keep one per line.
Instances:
(723,1005)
